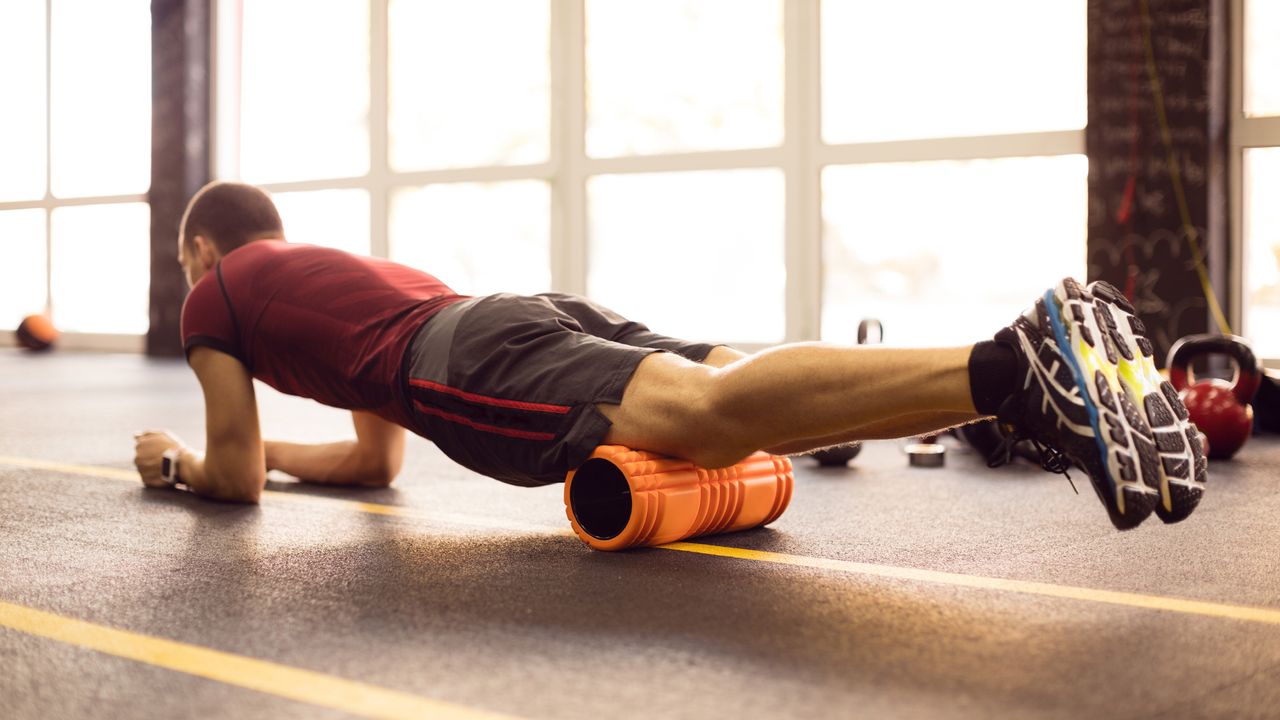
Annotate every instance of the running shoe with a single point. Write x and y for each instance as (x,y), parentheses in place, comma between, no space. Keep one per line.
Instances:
(1084,371)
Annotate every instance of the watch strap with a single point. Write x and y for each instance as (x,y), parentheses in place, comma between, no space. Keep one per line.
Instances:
(169,465)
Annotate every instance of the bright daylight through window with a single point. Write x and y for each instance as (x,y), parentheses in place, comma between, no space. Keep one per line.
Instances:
(556,149)
(74,226)
(1261,176)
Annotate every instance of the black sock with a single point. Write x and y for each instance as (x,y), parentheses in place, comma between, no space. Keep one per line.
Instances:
(992,375)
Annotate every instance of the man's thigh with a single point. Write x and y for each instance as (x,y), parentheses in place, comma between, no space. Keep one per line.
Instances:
(665,408)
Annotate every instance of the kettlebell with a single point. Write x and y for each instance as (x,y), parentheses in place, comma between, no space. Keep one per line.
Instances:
(1219,408)
(840,455)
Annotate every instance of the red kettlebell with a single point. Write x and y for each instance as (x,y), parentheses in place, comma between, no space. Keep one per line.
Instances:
(1219,408)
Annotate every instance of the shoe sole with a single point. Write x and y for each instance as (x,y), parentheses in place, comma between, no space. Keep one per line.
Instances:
(1153,452)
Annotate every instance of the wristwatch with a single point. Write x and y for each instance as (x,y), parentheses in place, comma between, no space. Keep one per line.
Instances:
(169,466)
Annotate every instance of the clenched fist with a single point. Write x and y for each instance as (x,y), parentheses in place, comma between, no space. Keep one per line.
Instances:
(149,452)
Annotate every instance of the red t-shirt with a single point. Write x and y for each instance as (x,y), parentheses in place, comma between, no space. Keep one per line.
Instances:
(315,322)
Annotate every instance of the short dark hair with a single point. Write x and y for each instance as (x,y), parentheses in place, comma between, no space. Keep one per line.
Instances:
(231,214)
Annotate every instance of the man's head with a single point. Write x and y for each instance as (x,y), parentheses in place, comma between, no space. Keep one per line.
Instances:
(221,217)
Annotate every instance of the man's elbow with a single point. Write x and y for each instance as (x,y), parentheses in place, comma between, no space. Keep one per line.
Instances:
(380,476)
(246,496)
(237,488)
(249,496)
(379,470)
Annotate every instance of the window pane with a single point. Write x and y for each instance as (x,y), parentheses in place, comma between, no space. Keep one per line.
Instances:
(470,83)
(696,255)
(936,68)
(102,268)
(683,75)
(478,238)
(101,85)
(1262,250)
(22,85)
(22,266)
(304,82)
(1262,57)
(945,253)
(332,218)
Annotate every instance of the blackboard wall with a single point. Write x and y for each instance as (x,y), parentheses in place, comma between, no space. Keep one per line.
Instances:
(1137,236)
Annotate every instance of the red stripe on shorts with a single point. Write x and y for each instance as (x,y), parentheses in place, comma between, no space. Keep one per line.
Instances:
(486,400)
(508,432)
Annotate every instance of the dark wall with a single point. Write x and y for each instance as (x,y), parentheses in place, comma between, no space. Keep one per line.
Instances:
(181,61)
(1138,239)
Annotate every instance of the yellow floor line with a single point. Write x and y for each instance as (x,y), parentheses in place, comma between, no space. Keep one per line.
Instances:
(297,498)
(1150,602)
(305,686)
(90,470)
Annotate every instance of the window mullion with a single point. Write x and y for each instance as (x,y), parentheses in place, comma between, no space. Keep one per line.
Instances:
(379,97)
(569,244)
(803,204)
(48,157)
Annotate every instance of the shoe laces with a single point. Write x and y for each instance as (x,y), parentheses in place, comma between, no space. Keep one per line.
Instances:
(1051,458)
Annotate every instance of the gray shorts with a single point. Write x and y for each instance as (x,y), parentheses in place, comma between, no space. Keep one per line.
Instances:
(507,385)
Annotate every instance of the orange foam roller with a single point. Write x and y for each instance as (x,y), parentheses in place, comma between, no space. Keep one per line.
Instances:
(621,498)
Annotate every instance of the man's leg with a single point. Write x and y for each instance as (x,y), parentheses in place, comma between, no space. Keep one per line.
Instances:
(717,416)
(1074,374)
(911,425)
(903,426)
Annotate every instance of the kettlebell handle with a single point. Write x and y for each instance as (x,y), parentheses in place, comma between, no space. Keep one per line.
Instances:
(1248,371)
(864,331)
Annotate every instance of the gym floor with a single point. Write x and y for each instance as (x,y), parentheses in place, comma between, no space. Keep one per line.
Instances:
(884,591)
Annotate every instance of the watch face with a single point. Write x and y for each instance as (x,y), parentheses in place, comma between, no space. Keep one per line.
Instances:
(166,467)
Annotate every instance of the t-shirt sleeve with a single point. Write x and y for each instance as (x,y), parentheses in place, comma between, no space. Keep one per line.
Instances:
(208,319)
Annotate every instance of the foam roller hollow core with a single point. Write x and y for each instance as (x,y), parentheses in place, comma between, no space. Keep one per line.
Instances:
(621,498)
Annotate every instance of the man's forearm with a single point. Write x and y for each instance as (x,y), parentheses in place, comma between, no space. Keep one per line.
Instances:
(335,463)
(195,473)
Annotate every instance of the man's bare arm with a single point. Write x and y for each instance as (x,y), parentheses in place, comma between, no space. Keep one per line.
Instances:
(373,459)
(232,467)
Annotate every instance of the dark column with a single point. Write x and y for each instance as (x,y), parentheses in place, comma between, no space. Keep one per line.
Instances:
(181,61)
(1138,227)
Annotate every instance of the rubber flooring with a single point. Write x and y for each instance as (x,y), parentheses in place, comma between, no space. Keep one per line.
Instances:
(885,591)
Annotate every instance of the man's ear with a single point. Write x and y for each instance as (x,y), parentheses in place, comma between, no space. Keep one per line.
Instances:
(205,251)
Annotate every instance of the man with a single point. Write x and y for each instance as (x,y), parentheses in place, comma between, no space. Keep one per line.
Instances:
(523,388)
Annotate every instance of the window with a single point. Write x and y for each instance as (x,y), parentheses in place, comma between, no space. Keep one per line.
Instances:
(910,243)
(304,99)
(913,69)
(412,129)
(694,254)
(1255,140)
(24,267)
(333,218)
(1262,57)
(74,226)
(479,237)
(470,83)
(670,76)
(904,241)
(726,170)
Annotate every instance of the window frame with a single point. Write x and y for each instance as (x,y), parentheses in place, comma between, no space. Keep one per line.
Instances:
(109,342)
(1246,133)
(801,157)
